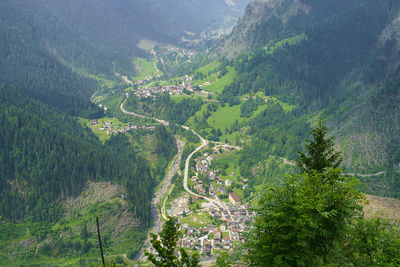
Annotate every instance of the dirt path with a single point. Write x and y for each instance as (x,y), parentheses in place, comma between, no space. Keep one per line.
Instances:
(163,214)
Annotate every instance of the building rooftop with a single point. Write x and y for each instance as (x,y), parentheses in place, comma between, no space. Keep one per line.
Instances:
(234,197)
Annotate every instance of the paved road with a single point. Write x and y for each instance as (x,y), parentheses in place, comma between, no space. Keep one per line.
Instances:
(173,169)
(204,143)
(166,123)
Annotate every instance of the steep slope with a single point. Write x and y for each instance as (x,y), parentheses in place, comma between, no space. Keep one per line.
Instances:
(266,21)
(336,60)
(72,241)
(47,156)
(56,177)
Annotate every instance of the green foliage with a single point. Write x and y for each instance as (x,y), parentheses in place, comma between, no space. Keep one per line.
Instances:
(66,241)
(327,60)
(166,248)
(299,223)
(313,219)
(248,107)
(166,108)
(308,68)
(49,156)
(226,259)
(294,40)
(274,132)
(372,242)
(186,151)
(321,153)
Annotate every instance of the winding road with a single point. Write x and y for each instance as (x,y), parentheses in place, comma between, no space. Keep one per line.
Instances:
(204,143)
(166,123)
(172,170)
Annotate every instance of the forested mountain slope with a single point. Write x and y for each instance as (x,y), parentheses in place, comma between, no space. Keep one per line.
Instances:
(51,49)
(47,156)
(102,36)
(336,60)
(47,160)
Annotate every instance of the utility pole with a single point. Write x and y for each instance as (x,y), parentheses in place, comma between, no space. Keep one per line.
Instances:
(101,247)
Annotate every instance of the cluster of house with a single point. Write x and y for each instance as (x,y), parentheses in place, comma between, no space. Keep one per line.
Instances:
(147,79)
(177,89)
(232,222)
(205,239)
(107,126)
(202,166)
(208,38)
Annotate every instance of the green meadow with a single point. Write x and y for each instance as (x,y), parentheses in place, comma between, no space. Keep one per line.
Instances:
(145,68)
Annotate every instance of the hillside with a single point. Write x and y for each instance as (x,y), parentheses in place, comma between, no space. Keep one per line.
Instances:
(56,176)
(54,56)
(58,51)
(75,234)
(388,208)
(337,61)
(102,37)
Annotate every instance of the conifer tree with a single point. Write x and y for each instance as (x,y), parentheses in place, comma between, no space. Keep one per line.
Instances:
(299,222)
(320,152)
(165,247)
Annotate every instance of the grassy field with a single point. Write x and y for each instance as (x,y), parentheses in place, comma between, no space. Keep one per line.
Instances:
(225,234)
(212,82)
(102,135)
(179,98)
(199,219)
(230,159)
(208,68)
(218,84)
(270,99)
(145,68)
(225,117)
(294,40)
(286,107)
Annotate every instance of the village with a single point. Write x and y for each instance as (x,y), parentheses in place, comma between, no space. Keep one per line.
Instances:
(185,84)
(109,127)
(226,226)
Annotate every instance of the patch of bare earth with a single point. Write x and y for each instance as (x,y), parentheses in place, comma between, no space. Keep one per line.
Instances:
(115,220)
(383,207)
